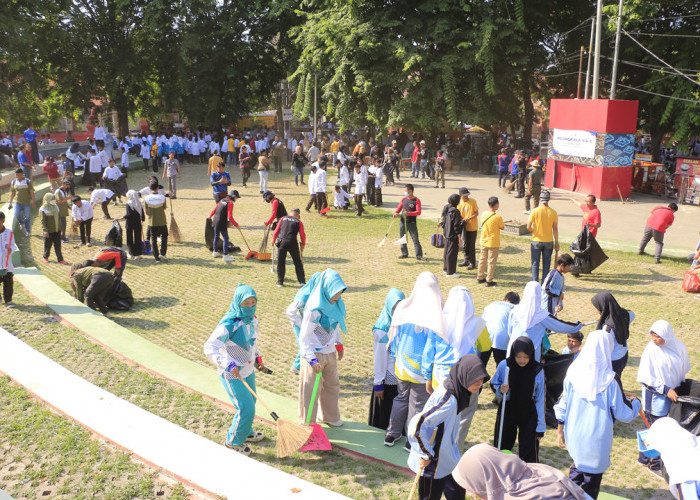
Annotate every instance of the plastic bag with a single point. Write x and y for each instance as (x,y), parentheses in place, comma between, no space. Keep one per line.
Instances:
(120,298)
(587,253)
(209,240)
(686,411)
(114,235)
(691,282)
(555,368)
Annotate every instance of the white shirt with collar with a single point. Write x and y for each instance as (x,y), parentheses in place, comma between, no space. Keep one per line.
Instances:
(100,196)
(320,181)
(83,212)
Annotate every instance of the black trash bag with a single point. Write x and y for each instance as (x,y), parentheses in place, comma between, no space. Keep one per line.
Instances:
(114,235)
(555,368)
(209,240)
(587,253)
(117,186)
(687,410)
(121,298)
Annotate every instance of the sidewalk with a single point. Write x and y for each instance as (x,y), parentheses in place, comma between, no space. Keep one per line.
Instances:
(621,228)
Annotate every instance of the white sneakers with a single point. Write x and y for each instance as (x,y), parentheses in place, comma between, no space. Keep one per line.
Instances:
(337,423)
(228,258)
(455,275)
(215,254)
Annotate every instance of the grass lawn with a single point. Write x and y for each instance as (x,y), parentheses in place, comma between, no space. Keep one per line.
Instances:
(178,303)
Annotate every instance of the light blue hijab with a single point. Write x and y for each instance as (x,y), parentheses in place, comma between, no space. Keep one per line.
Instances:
(384,321)
(245,314)
(329,284)
(302,295)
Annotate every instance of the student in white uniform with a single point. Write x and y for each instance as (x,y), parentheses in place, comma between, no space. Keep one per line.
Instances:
(312,188)
(360,178)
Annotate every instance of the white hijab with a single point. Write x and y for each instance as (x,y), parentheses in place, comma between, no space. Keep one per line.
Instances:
(591,372)
(529,311)
(134,201)
(679,450)
(423,308)
(666,365)
(461,325)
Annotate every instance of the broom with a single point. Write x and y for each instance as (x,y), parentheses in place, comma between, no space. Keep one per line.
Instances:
(174,229)
(381,243)
(250,254)
(290,436)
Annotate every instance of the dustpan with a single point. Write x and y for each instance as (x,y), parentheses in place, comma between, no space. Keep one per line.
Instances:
(318,441)
(266,256)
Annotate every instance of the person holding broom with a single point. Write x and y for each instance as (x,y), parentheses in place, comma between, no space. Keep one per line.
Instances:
(232,347)
(220,217)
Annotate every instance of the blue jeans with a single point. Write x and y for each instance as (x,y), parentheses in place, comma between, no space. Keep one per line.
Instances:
(502,178)
(415,168)
(538,248)
(223,233)
(22,213)
(244,402)
(298,175)
(424,168)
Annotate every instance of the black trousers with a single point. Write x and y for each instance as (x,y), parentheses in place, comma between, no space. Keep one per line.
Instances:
(469,238)
(370,190)
(245,174)
(97,291)
(161,231)
(55,240)
(321,201)
(291,247)
(498,356)
(85,230)
(133,238)
(358,204)
(409,224)
(313,200)
(378,197)
(590,483)
(524,427)
(8,286)
(450,255)
(433,489)
(380,409)
(521,182)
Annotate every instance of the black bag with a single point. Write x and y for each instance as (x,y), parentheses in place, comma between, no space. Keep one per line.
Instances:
(587,253)
(555,368)
(121,298)
(209,240)
(687,410)
(114,235)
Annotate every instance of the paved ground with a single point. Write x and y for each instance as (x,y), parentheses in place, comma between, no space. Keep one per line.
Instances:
(622,227)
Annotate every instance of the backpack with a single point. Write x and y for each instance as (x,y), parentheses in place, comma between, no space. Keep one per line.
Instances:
(437,240)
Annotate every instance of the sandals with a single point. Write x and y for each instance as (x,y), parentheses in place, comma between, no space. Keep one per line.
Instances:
(255,437)
(243,449)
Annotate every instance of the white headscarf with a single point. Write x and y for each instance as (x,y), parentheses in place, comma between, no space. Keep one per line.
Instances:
(530,312)
(591,372)
(423,308)
(461,326)
(679,450)
(134,201)
(666,365)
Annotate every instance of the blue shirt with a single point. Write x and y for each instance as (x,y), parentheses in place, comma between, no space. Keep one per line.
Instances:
(496,316)
(537,394)
(588,425)
(441,408)
(408,346)
(514,166)
(438,358)
(655,401)
(619,350)
(552,288)
(30,135)
(217,187)
(22,158)
(537,332)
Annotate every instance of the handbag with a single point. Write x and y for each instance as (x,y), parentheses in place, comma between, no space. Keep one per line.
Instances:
(691,282)
(145,245)
(437,240)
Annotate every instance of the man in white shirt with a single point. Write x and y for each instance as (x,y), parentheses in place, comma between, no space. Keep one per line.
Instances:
(99,135)
(95,167)
(112,179)
(321,190)
(311,180)
(82,215)
(313,152)
(103,197)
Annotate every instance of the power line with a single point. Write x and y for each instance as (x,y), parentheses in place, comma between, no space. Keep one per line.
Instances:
(661,69)
(663,18)
(561,74)
(664,34)
(579,25)
(658,58)
(654,93)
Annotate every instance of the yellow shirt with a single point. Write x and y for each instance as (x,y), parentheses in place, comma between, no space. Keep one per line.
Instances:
(231,146)
(467,209)
(213,163)
(491,225)
(543,219)
(335,145)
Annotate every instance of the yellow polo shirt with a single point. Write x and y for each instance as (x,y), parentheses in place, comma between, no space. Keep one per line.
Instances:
(491,225)
(335,145)
(542,219)
(467,209)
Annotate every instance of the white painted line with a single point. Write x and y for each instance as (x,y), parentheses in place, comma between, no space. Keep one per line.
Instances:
(188,457)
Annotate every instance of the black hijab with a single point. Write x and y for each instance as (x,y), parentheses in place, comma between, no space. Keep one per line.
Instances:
(453,200)
(521,380)
(465,372)
(613,316)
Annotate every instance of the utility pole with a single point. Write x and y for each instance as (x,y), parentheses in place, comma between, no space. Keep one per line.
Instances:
(315,83)
(588,65)
(596,60)
(580,67)
(617,51)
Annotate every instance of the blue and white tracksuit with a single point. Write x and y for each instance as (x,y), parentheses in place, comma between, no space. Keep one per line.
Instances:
(224,347)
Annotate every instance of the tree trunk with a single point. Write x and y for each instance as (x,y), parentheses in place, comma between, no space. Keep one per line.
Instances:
(657,132)
(529,110)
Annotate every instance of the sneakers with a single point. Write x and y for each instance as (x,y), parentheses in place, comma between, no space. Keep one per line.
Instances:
(228,258)
(294,370)
(88,244)
(215,254)
(106,218)
(407,447)
(490,283)
(419,258)
(455,275)
(255,437)
(337,423)
(471,267)
(46,261)
(65,240)
(463,264)
(657,261)
(403,256)
(526,211)
(163,258)
(280,284)
(481,281)
(157,261)
(390,440)
(81,244)
(9,305)
(27,234)
(129,256)
(243,449)
(63,262)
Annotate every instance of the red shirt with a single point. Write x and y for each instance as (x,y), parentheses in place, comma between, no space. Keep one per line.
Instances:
(591,216)
(51,170)
(229,213)
(414,156)
(274,204)
(302,234)
(660,219)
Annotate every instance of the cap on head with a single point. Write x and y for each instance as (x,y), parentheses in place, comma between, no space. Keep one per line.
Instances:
(544,196)
(234,194)
(266,194)
(463,191)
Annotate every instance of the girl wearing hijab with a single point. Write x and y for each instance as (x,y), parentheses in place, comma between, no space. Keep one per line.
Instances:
(466,333)
(590,403)
(492,475)
(432,433)
(662,368)
(524,392)
(232,347)
(134,225)
(452,224)
(413,321)
(680,452)
(616,321)
(322,348)
(530,319)
(51,226)
(294,313)
(385,388)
